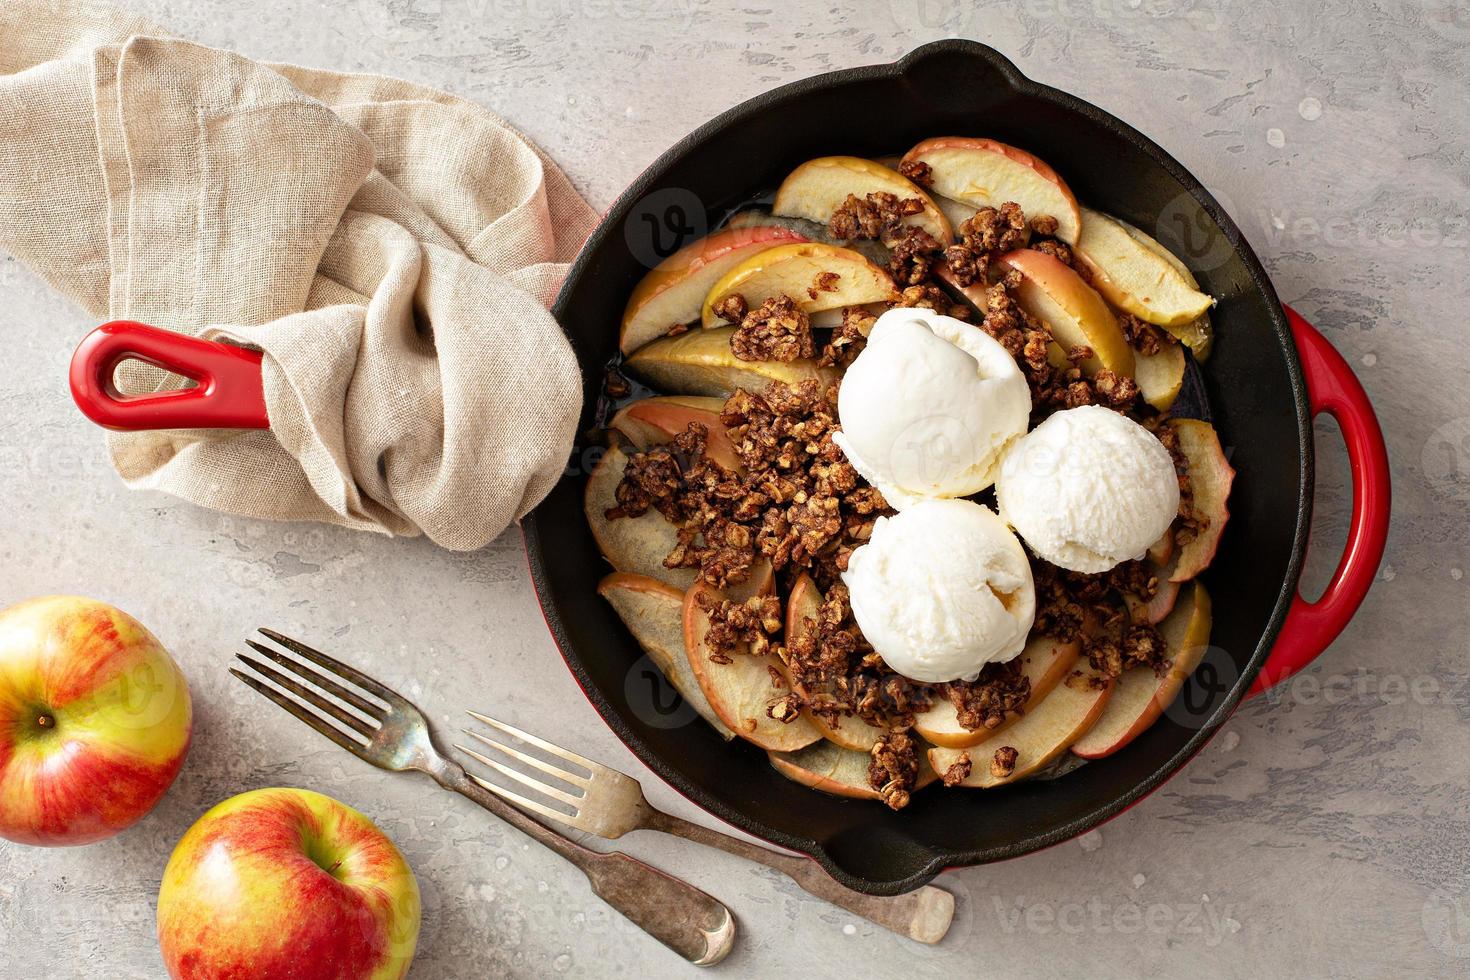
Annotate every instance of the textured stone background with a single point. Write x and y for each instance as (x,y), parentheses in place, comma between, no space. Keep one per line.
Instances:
(1324,834)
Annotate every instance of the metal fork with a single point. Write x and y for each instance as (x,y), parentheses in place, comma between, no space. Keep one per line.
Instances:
(609,804)
(392,734)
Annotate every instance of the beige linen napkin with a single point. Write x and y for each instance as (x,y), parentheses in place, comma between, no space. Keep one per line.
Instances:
(390,248)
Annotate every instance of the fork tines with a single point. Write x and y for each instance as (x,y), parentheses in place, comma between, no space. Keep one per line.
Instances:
(569,778)
(314,687)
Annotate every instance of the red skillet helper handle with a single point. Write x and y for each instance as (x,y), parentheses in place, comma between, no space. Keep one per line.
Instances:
(230,393)
(1311,626)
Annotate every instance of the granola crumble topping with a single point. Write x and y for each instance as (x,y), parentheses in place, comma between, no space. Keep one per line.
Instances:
(1003,763)
(776,331)
(918,171)
(958,772)
(894,769)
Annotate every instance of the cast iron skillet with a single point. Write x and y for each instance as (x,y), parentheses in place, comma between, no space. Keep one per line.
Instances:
(1261,398)
(1269,374)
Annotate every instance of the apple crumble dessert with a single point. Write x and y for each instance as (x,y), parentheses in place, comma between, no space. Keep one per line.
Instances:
(915,505)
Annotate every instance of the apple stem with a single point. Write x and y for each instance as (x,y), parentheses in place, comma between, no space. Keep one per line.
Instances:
(333,869)
(45,721)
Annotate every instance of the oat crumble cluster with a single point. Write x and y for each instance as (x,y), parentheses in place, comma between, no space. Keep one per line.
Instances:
(798,504)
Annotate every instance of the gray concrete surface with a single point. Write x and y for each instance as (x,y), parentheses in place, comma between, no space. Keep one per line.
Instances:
(1324,834)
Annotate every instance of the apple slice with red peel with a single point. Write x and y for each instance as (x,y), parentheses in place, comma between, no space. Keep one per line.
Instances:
(653,611)
(1141,695)
(793,270)
(1076,315)
(1153,611)
(1045,662)
(740,691)
(840,772)
(801,611)
(1160,376)
(637,545)
(673,293)
(818,187)
(1210,477)
(700,362)
(828,768)
(1133,276)
(654,421)
(871,249)
(1161,552)
(1046,731)
(988,173)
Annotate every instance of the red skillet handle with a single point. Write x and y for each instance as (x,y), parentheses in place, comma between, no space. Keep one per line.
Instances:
(1311,626)
(230,393)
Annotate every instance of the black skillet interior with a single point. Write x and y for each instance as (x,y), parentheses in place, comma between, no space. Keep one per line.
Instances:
(1252,384)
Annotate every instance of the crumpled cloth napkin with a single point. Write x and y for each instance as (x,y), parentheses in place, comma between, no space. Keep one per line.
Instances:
(392,249)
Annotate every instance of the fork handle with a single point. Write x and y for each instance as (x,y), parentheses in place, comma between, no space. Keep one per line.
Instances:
(697,926)
(923,915)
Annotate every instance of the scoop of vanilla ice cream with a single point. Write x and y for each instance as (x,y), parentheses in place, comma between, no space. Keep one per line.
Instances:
(941,589)
(929,407)
(1088,488)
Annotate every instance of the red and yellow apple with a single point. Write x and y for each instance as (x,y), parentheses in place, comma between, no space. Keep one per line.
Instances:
(95,721)
(287,883)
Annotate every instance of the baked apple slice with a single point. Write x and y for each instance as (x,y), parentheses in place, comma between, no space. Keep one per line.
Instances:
(797,271)
(818,187)
(1044,661)
(673,293)
(1134,276)
(1076,315)
(1155,610)
(1140,695)
(654,613)
(700,362)
(987,173)
(1160,376)
(654,421)
(740,691)
(957,212)
(869,248)
(835,770)
(801,611)
(1046,731)
(637,545)
(1198,334)
(1210,477)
